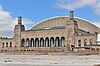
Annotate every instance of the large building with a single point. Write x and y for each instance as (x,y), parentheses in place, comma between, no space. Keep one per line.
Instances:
(61,32)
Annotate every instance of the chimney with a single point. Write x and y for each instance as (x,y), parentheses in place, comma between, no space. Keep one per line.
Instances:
(71,15)
(20,20)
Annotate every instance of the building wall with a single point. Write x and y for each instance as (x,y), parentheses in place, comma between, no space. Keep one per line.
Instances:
(88,38)
(45,34)
(5,41)
(70,33)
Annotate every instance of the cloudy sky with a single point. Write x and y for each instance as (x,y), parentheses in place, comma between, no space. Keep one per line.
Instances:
(34,11)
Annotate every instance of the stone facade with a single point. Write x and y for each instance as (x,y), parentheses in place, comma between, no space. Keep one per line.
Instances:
(64,32)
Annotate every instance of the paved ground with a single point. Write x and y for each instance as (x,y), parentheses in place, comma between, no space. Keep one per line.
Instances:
(48,60)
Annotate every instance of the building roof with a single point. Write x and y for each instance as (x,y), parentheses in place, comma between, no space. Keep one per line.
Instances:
(61,21)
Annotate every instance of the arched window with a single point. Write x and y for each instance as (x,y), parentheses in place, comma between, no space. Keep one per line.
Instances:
(51,42)
(6,44)
(41,42)
(57,42)
(79,43)
(3,45)
(22,42)
(91,42)
(85,42)
(36,42)
(46,42)
(62,42)
(10,44)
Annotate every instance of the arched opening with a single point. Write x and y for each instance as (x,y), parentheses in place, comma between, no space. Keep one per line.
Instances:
(51,42)
(27,42)
(62,42)
(36,42)
(23,42)
(41,42)
(32,42)
(46,42)
(57,42)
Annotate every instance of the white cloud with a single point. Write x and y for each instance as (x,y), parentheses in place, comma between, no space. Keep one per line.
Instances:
(96,7)
(7,23)
(74,4)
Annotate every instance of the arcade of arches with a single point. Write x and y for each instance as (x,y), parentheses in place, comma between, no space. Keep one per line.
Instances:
(43,42)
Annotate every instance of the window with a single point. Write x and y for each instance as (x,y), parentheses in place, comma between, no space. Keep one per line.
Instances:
(85,42)
(91,42)
(10,44)
(80,34)
(6,44)
(79,43)
(3,45)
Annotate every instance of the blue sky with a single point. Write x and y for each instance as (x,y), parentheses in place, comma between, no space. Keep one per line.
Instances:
(38,10)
